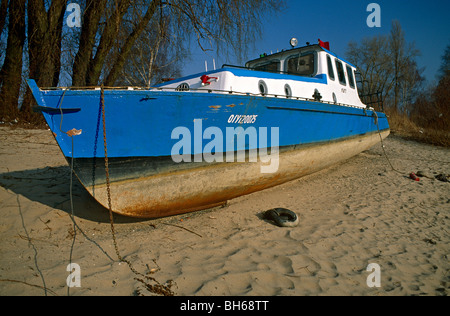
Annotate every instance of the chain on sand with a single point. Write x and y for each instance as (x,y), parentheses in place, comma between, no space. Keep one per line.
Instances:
(146,280)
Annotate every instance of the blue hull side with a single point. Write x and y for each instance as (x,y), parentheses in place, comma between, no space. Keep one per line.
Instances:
(140,123)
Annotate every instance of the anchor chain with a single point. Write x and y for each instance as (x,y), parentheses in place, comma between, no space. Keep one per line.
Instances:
(375,116)
(108,186)
(158,288)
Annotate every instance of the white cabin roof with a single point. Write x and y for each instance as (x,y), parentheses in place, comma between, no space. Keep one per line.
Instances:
(311,72)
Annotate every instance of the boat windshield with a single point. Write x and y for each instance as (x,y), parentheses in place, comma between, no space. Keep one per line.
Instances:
(271,66)
(301,65)
(299,62)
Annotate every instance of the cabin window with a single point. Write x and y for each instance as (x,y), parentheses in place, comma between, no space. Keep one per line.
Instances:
(301,65)
(351,79)
(330,68)
(272,66)
(340,71)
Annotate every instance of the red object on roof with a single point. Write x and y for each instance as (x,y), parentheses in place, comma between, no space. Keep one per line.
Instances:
(325,45)
(206,80)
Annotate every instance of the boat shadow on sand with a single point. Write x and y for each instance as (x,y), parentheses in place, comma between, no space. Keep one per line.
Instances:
(50,186)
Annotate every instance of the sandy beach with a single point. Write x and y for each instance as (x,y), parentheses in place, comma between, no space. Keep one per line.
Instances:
(353,214)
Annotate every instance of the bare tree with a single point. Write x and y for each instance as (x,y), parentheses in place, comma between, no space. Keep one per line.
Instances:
(223,24)
(11,72)
(44,40)
(44,47)
(374,65)
(155,55)
(410,83)
(3,29)
(444,70)
(90,25)
(3,14)
(432,107)
(388,65)
(125,50)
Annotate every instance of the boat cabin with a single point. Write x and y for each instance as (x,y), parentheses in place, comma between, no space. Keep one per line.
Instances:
(310,73)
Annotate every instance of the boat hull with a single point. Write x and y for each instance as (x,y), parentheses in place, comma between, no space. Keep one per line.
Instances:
(208,186)
(148,181)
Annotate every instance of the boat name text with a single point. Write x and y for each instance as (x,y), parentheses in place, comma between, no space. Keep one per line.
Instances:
(242,119)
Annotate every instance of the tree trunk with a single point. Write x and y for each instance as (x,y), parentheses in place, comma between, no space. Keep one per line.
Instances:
(56,22)
(44,48)
(126,48)
(397,46)
(11,73)
(106,43)
(91,18)
(3,14)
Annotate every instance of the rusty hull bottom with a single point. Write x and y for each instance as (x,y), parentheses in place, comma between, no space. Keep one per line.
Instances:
(206,187)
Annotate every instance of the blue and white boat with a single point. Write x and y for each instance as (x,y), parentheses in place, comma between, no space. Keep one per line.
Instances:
(195,142)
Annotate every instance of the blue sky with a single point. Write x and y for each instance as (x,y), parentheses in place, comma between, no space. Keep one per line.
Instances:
(426,23)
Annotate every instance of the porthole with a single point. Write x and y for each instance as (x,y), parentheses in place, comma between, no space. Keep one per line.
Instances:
(334,98)
(288,91)
(183,87)
(262,87)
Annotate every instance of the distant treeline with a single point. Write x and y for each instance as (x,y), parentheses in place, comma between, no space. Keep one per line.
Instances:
(388,69)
